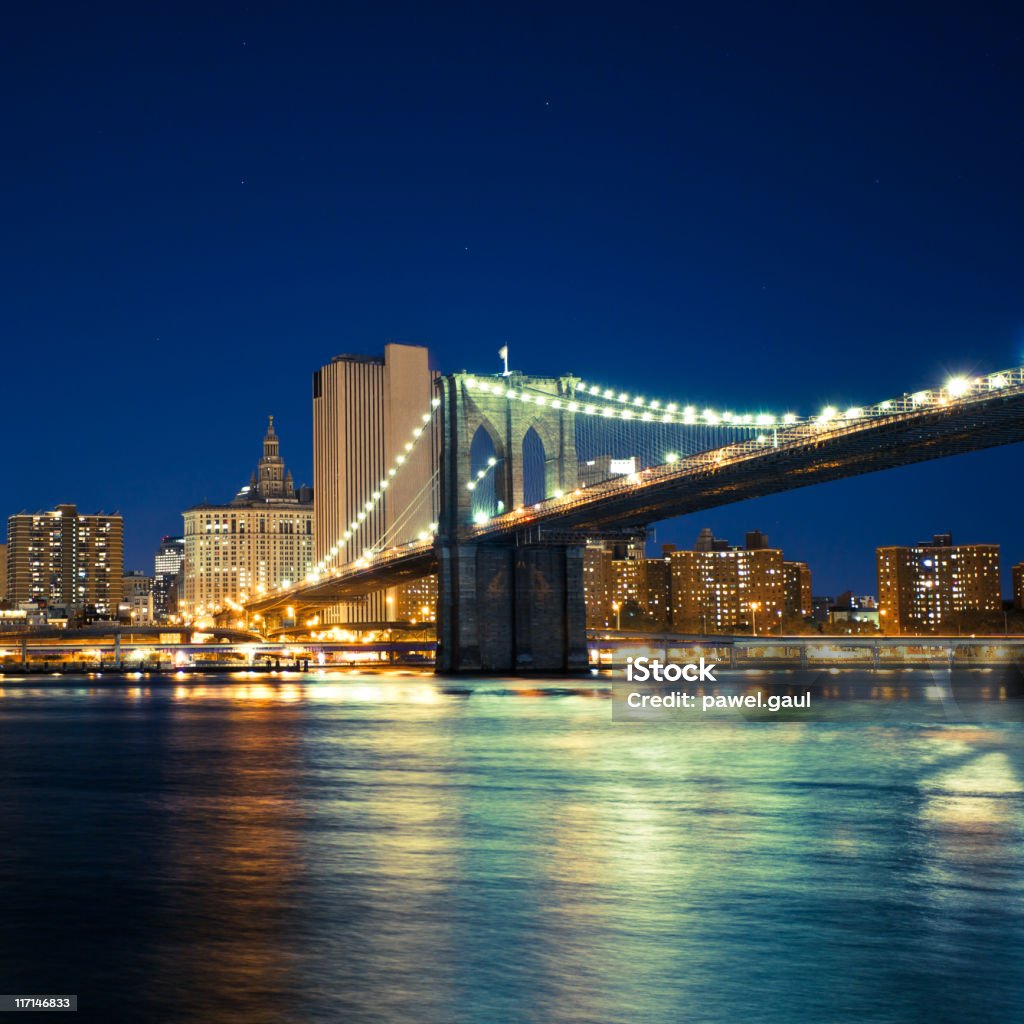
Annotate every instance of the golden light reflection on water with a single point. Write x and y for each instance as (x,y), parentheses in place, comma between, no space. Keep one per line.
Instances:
(368,847)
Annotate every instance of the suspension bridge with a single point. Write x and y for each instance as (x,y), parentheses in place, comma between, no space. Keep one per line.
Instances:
(531,469)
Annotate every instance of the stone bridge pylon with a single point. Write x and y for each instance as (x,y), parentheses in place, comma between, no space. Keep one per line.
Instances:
(507,605)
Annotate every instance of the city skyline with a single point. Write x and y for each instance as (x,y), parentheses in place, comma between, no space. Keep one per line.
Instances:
(737,519)
(509,507)
(748,221)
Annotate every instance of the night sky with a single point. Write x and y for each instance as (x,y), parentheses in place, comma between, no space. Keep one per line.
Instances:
(738,207)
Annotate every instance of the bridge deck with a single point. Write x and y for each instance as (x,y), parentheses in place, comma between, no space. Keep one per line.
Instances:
(782,459)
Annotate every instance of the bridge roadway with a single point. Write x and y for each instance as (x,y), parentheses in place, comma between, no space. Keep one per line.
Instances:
(782,459)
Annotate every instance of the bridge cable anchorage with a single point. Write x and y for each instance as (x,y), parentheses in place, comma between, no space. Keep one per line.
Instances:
(373,500)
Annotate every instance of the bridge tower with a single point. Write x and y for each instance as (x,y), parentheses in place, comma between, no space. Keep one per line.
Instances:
(513,604)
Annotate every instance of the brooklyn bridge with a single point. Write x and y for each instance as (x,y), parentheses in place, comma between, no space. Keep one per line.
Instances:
(531,469)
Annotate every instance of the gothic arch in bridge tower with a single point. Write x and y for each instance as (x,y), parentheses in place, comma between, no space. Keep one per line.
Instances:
(507,422)
(534,457)
(483,447)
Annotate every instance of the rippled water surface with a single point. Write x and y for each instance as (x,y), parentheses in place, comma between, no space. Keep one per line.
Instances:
(376,850)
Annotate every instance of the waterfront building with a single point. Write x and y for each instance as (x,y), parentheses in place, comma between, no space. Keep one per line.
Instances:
(1018,586)
(365,409)
(596,572)
(927,586)
(3,572)
(66,561)
(137,598)
(414,602)
(716,588)
(797,600)
(845,615)
(168,577)
(618,579)
(262,539)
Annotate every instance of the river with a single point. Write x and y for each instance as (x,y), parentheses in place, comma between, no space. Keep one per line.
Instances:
(370,849)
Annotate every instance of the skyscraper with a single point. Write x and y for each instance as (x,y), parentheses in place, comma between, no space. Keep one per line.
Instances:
(70,561)
(364,410)
(167,576)
(262,539)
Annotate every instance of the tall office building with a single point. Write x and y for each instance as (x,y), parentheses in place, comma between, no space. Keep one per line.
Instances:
(262,539)
(365,409)
(168,578)
(926,586)
(3,572)
(716,588)
(72,562)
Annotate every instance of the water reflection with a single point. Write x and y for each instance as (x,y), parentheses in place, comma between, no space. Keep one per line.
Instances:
(370,848)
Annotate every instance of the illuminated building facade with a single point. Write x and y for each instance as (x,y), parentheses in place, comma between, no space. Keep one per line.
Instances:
(70,561)
(3,572)
(137,598)
(922,587)
(797,600)
(168,577)
(597,561)
(617,578)
(365,408)
(263,539)
(1018,586)
(719,588)
(414,602)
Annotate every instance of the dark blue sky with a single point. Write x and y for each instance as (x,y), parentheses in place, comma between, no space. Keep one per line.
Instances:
(739,205)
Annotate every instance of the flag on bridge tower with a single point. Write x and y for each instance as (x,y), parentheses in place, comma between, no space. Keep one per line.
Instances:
(503,356)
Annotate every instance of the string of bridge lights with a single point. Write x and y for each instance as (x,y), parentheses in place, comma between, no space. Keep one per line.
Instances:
(607,403)
(370,505)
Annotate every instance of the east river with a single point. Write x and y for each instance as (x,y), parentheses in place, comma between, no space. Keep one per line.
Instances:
(373,849)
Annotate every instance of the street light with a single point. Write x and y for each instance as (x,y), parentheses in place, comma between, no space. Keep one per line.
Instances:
(883,612)
(617,608)
(754,607)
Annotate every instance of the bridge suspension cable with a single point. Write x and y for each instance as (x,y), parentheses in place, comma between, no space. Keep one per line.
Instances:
(625,441)
(403,518)
(609,404)
(375,497)
(616,433)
